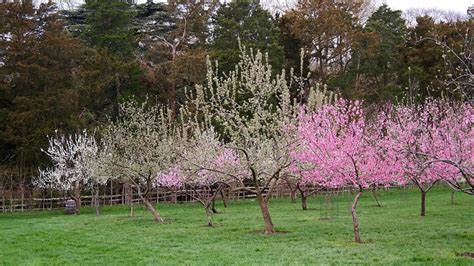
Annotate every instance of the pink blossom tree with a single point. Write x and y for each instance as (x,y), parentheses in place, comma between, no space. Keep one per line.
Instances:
(339,147)
(434,142)
(455,140)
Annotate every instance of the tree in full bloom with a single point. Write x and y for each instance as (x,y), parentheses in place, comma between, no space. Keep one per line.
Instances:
(256,116)
(204,169)
(434,140)
(340,147)
(76,165)
(457,145)
(141,143)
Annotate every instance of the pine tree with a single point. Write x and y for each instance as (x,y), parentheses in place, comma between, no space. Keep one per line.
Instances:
(38,84)
(174,58)
(254,26)
(108,26)
(111,69)
(374,72)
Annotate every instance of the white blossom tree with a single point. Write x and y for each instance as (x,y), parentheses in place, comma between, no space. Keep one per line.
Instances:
(141,143)
(76,164)
(256,116)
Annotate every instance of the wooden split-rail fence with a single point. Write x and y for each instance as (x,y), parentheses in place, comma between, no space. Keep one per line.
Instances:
(8,203)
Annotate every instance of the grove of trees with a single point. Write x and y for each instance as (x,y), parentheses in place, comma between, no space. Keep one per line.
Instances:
(211,98)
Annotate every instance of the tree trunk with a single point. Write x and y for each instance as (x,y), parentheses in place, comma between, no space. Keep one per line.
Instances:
(293,195)
(173,94)
(96,201)
(77,199)
(355,219)
(149,206)
(128,193)
(209,215)
(30,197)
(173,99)
(128,196)
(304,199)
(423,203)
(224,198)
(213,205)
(22,189)
(175,197)
(269,229)
(374,192)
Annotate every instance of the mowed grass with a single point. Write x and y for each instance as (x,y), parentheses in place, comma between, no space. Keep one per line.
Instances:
(393,234)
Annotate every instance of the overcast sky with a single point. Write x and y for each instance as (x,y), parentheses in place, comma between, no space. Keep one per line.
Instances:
(452,5)
(459,6)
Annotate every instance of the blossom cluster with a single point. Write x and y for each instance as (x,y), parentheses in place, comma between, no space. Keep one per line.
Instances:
(341,145)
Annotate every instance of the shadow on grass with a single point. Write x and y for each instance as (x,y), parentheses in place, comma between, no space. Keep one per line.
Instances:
(262,233)
(466,254)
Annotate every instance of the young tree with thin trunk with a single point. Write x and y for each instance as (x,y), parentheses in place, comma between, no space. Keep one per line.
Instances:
(339,147)
(299,182)
(419,134)
(141,144)
(204,169)
(76,165)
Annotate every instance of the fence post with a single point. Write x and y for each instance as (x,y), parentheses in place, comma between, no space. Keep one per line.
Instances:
(111,192)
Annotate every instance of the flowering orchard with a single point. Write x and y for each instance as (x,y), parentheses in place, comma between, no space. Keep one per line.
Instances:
(253,130)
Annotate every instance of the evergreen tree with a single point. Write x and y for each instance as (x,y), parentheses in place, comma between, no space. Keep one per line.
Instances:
(374,72)
(291,43)
(111,71)
(439,59)
(254,26)
(327,29)
(108,26)
(168,52)
(38,80)
(174,58)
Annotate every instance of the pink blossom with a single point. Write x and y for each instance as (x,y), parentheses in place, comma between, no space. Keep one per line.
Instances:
(338,147)
(434,140)
(172,179)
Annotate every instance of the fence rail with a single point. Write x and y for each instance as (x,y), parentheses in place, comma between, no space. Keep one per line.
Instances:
(181,196)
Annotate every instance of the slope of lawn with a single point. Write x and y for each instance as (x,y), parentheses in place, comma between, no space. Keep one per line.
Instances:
(394,233)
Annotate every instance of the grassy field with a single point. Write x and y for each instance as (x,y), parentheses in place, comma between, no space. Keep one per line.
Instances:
(393,234)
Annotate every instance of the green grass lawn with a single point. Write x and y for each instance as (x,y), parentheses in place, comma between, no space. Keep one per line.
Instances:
(393,234)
